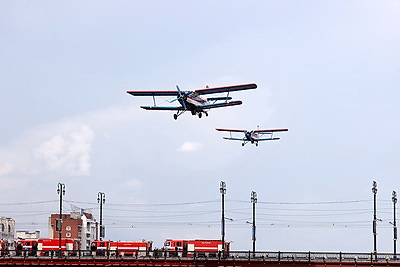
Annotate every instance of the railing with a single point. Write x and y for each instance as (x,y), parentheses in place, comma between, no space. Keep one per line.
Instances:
(210,255)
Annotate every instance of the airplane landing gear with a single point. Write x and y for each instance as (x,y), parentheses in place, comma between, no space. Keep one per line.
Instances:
(200,114)
(180,112)
(242,144)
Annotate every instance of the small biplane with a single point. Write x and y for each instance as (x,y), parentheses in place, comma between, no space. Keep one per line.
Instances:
(191,100)
(253,136)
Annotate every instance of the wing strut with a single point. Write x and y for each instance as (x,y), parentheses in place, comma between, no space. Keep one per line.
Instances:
(154,100)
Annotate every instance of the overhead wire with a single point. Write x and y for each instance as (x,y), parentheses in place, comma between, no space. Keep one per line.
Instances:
(269,214)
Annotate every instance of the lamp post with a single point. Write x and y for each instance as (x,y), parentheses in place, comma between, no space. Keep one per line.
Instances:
(254,201)
(222,190)
(101,199)
(61,192)
(374,191)
(394,200)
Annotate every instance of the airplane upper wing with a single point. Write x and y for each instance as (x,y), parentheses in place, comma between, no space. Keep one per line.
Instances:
(231,130)
(153,93)
(161,108)
(270,130)
(226,89)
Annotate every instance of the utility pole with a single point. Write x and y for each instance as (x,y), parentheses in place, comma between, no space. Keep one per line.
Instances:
(101,199)
(254,201)
(61,192)
(394,200)
(222,190)
(374,191)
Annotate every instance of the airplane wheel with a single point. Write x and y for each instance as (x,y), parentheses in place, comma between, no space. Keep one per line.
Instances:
(256,144)
(206,114)
(242,144)
(175,116)
(200,114)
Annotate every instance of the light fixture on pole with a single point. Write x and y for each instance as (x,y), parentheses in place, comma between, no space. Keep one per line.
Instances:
(374,191)
(222,190)
(101,199)
(254,201)
(61,192)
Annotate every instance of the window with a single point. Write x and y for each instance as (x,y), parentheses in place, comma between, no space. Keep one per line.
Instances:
(68,228)
(2,227)
(68,234)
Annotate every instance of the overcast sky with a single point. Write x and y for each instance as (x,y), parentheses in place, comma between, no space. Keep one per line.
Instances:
(327,70)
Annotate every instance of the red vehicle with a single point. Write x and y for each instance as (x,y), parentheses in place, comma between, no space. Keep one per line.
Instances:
(187,248)
(29,245)
(133,248)
(4,247)
(45,245)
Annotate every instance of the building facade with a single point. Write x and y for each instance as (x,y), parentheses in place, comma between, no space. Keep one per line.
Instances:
(78,225)
(7,229)
(27,235)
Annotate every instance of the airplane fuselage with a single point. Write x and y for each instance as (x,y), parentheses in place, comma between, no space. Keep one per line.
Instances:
(192,102)
(251,136)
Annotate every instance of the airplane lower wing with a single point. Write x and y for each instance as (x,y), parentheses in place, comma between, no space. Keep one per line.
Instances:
(162,108)
(236,139)
(267,139)
(219,105)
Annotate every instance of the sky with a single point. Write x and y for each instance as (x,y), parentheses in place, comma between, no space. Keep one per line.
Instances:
(329,71)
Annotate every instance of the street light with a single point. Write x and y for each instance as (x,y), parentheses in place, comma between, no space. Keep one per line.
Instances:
(374,191)
(222,190)
(254,201)
(61,192)
(394,200)
(101,199)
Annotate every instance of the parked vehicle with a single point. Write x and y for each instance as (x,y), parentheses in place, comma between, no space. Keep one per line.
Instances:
(122,248)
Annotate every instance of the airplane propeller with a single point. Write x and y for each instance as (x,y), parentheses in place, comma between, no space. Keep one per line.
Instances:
(181,96)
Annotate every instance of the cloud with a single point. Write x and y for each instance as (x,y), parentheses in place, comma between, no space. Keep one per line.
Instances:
(6,169)
(132,184)
(190,146)
(69,153)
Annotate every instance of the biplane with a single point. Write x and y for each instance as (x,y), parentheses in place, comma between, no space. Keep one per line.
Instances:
(253,136)
(192,100)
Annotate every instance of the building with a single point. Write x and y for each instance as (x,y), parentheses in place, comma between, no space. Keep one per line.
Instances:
(27,235)
(7,229)
(79,225)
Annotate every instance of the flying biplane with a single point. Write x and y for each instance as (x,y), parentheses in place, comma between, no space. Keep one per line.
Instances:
(191,100)
(253,136)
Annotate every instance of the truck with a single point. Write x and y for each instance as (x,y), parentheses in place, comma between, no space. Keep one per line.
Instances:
(197,247)
(122,248)
(46,245)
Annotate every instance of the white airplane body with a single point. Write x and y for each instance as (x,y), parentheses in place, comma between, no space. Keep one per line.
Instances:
(252,136)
